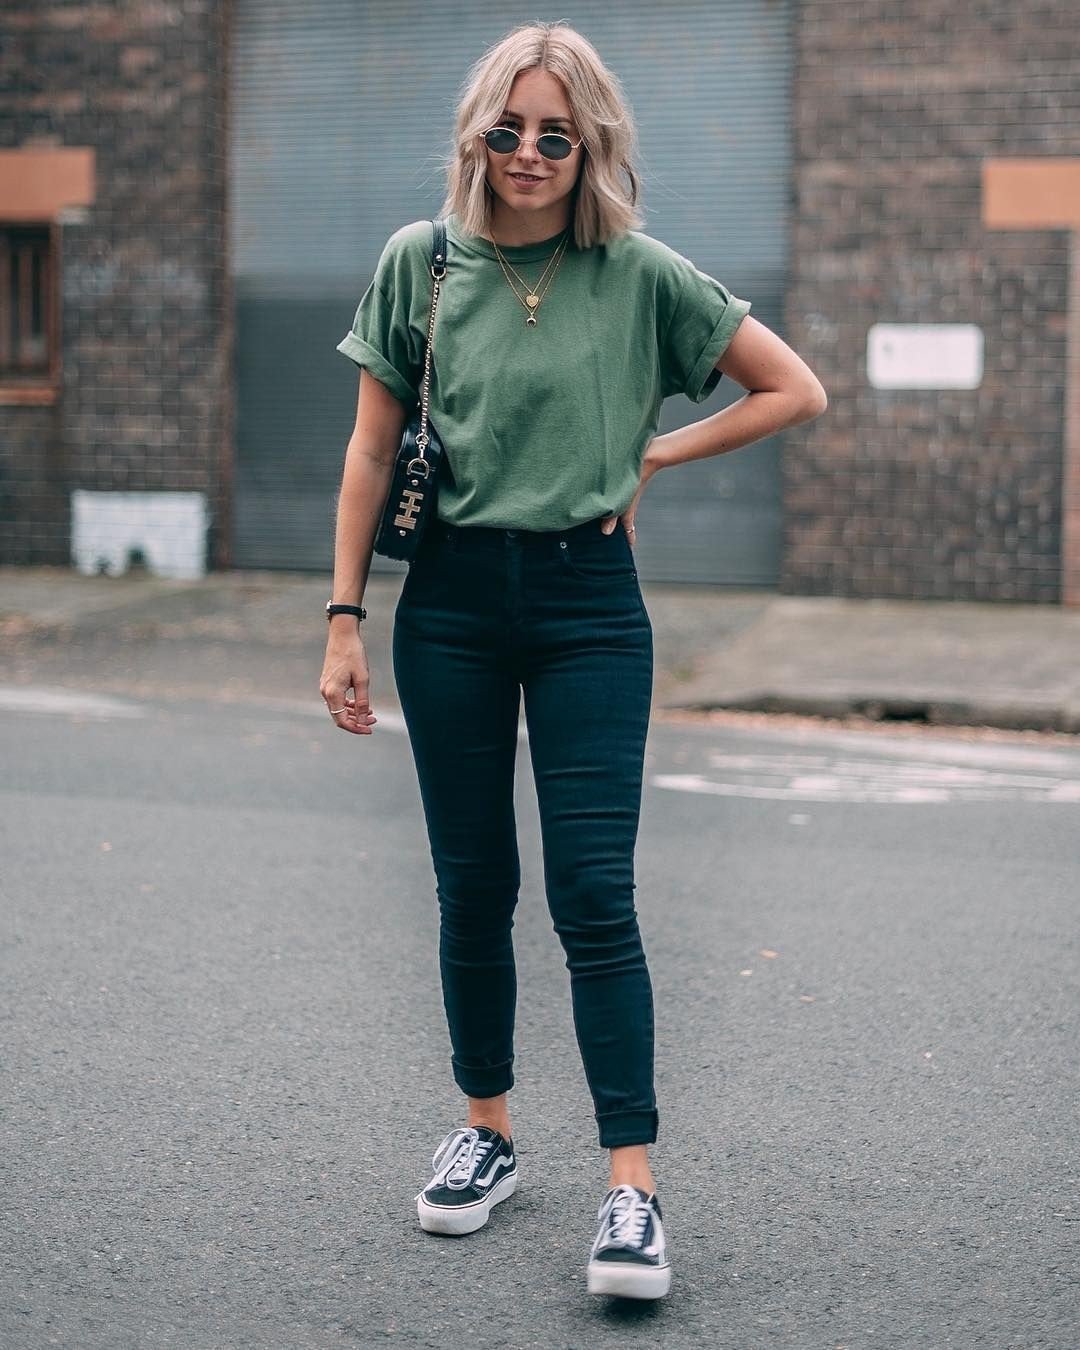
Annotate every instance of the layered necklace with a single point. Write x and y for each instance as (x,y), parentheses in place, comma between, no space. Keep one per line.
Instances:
(531,297)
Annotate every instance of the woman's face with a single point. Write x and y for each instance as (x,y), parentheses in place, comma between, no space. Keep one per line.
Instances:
(524,181)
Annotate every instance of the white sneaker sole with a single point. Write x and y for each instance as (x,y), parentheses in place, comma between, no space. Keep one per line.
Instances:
(459,1219)
(626,1280)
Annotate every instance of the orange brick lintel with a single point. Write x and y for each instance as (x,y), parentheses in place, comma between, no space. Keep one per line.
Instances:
(1031,194)
(37,183)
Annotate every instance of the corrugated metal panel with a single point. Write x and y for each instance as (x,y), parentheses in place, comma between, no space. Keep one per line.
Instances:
(340,119)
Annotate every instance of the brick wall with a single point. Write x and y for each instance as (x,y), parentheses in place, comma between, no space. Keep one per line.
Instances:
(146,317)
(924,493)
(897,108)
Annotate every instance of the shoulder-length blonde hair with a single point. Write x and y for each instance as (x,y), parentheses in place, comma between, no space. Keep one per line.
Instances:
(606,192)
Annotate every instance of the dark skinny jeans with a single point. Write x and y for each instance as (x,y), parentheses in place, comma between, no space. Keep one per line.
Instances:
(487,615)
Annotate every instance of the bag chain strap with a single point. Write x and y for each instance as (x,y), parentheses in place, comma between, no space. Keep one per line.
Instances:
(438,271)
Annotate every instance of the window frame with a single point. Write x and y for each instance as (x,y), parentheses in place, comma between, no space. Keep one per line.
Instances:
(42,386)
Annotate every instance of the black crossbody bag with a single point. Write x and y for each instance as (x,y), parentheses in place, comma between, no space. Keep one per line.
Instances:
(414,487)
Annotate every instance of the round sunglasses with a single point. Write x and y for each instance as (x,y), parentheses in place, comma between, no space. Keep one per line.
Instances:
(505,140)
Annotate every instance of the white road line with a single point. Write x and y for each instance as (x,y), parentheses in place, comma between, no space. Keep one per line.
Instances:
(389,719)
(823,778)
(805,791)
(66,703)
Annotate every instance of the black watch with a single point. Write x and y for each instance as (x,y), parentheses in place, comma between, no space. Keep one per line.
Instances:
(358,610)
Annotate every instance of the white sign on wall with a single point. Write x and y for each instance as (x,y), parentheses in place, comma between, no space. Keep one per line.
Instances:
(167,530)
(924,356)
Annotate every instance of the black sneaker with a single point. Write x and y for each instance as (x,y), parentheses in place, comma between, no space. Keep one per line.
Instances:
(475,1168)
(629,1256)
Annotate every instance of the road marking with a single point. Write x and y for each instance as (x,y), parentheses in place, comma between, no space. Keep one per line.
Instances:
(389,718)
(66,703)
(828,778)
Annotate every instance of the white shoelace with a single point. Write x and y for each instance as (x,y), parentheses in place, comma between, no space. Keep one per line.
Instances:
(626,1215)
(459,1157)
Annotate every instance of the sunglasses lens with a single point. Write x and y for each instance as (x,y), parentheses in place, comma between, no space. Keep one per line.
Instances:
(502,140)
(552,146)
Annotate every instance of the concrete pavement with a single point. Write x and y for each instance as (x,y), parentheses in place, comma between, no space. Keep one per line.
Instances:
(1001,665)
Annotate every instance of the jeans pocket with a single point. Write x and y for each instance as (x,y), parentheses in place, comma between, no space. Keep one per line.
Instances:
(434,545)
(599,557)
(428,562)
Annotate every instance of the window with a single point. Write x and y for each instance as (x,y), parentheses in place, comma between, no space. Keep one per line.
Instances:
(29,313)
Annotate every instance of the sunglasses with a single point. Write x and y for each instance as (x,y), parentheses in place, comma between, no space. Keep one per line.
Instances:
(505,140)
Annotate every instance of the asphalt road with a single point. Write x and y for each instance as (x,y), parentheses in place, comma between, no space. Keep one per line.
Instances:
(224,1064)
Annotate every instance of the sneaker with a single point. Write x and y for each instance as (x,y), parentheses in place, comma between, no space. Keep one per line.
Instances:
(475,1168)
(629,1255)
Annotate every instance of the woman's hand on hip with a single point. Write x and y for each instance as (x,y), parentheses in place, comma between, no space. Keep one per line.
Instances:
(648,468)
(345,669)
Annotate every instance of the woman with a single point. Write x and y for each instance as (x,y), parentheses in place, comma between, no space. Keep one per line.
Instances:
(560,329)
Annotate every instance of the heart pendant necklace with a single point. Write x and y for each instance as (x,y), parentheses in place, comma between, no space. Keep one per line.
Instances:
(533,294)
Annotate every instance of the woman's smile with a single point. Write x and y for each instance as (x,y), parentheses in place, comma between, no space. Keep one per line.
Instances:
(532,195)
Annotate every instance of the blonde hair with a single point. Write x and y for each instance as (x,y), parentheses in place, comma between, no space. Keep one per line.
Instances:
(606,192)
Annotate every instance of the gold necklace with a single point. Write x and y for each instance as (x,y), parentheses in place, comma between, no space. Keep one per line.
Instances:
(533,290)
(535,295)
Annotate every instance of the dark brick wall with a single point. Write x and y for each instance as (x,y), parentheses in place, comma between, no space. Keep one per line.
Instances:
(146,322)
(927,493)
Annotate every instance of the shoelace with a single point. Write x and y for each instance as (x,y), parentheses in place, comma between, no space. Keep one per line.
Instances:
(459,1156)
(626,1215)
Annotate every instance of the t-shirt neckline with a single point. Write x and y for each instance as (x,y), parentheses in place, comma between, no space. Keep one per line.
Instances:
(476,243)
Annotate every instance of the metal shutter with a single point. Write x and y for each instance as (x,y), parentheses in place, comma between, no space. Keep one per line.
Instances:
(341,114)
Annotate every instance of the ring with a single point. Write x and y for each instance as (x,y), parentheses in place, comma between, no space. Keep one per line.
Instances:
(334,711)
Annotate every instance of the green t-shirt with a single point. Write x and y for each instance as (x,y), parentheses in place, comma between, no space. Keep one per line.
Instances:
(545,426)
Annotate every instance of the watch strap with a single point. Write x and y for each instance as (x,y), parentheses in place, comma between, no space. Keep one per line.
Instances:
(357,610)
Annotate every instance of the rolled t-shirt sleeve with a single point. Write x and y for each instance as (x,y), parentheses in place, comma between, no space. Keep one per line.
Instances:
(702,323)
(381,339)
(378,342)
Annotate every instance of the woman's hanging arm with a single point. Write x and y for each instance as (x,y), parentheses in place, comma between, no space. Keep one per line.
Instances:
(365,483)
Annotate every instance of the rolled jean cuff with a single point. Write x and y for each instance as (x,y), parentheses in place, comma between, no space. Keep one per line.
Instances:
(618,1128)
(483,1080)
